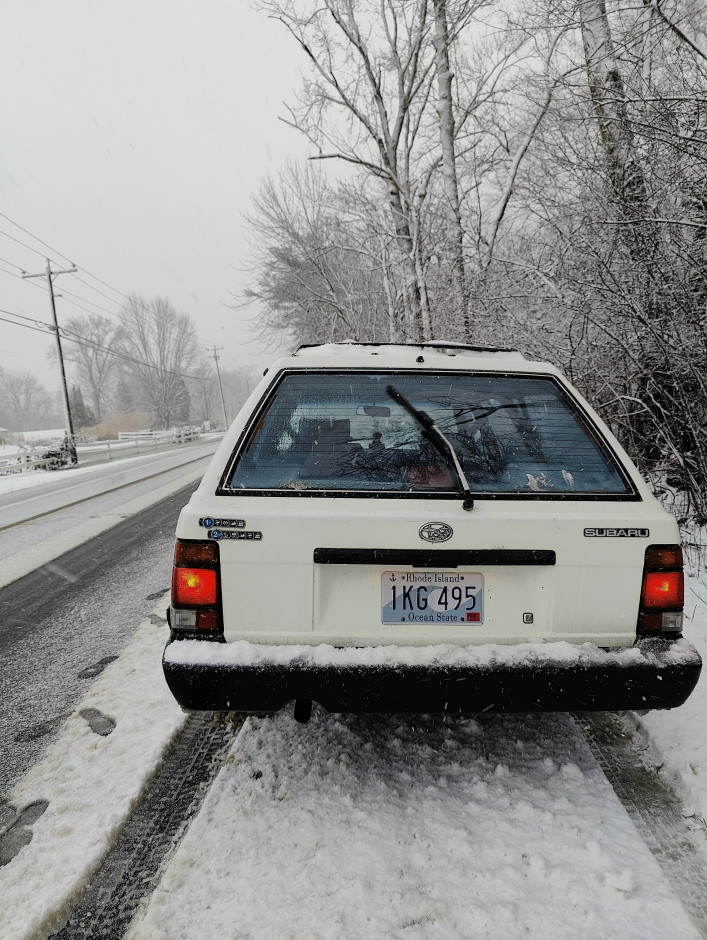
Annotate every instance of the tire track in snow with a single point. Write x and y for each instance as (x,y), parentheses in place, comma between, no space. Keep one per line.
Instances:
(155,829)
(677,843)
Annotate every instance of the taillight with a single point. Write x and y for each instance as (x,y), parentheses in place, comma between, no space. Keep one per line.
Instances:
(662,591)
(196,594)
(194,587)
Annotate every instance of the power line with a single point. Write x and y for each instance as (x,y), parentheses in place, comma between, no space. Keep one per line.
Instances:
(82,340)
(61,255)
(12,265)
(24,325)
(5,271)
(67,293)
(92,344)
(24,244)
(91,287)
(124,296)
(35,237)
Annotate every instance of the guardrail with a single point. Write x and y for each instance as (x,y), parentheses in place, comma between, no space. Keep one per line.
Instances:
(128,444)
(134,442)
(21,463)
(162,437)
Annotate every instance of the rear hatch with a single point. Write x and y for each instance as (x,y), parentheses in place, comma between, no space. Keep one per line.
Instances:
(342,519)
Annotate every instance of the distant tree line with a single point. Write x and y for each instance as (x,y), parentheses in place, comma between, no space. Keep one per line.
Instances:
(148,362)
(526,174)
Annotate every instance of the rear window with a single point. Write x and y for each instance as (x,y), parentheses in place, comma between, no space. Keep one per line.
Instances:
(337,432)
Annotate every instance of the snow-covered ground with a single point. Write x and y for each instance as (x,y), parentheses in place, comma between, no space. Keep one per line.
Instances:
(680,735)
(357,827)
(91,783)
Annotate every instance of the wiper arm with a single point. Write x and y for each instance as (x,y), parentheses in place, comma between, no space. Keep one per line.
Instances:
(438,439)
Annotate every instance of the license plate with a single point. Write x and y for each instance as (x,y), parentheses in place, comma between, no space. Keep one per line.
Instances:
(432,597)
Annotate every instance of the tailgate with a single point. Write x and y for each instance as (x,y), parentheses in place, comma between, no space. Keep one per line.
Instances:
(323,571)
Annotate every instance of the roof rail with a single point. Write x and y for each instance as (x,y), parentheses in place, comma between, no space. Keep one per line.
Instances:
(441,345)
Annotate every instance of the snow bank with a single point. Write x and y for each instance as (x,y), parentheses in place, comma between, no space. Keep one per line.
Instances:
(412,828)
(681,734)
(92,784)
(242,653)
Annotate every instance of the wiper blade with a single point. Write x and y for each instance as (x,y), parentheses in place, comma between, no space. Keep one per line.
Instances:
(438,439)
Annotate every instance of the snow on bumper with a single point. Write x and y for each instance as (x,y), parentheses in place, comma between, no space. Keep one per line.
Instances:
(242,676)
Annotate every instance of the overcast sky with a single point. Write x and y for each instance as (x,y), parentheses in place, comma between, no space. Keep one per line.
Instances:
(132,136)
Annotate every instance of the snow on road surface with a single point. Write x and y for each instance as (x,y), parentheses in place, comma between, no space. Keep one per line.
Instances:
(13,482)
(91,781)
(371,827)
(26,546)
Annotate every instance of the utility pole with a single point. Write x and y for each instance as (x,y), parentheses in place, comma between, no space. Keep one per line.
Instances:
(50,275)
(220,387)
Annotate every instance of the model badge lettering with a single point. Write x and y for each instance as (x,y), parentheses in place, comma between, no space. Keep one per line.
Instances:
(209,522)
(617,533)
(219,535)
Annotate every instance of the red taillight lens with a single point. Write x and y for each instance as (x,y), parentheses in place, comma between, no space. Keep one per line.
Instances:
(209,620)
(194,587)
(663,590)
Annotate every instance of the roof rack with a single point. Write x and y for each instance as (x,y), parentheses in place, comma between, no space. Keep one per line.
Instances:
(450,347)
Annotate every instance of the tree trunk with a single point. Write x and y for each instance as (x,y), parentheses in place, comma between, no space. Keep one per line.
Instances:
(406,247)
(455,231)
(609,98)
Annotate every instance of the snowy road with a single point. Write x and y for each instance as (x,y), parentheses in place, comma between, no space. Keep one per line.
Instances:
(81,553)
(62,623)
(40,523)
(347,827)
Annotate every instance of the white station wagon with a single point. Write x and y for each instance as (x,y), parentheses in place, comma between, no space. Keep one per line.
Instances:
(424,528)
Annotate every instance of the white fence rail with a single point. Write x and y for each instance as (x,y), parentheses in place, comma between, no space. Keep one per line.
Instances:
(129,444)
(27,460)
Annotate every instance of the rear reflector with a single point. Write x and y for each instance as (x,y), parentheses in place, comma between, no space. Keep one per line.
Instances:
(209,620)
(195,553)
(663,556)
(194,587)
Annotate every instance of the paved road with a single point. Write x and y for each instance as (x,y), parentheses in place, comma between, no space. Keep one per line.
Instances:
(60,624)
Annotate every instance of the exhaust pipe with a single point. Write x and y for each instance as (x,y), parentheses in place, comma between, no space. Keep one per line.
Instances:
(303,710)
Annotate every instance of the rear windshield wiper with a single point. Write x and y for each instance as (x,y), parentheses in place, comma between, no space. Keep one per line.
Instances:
(433,434)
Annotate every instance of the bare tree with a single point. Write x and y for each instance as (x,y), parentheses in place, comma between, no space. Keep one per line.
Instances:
(92,343)
(25,404)
(366,102)
(159,346)
(447,138)
(317,269)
